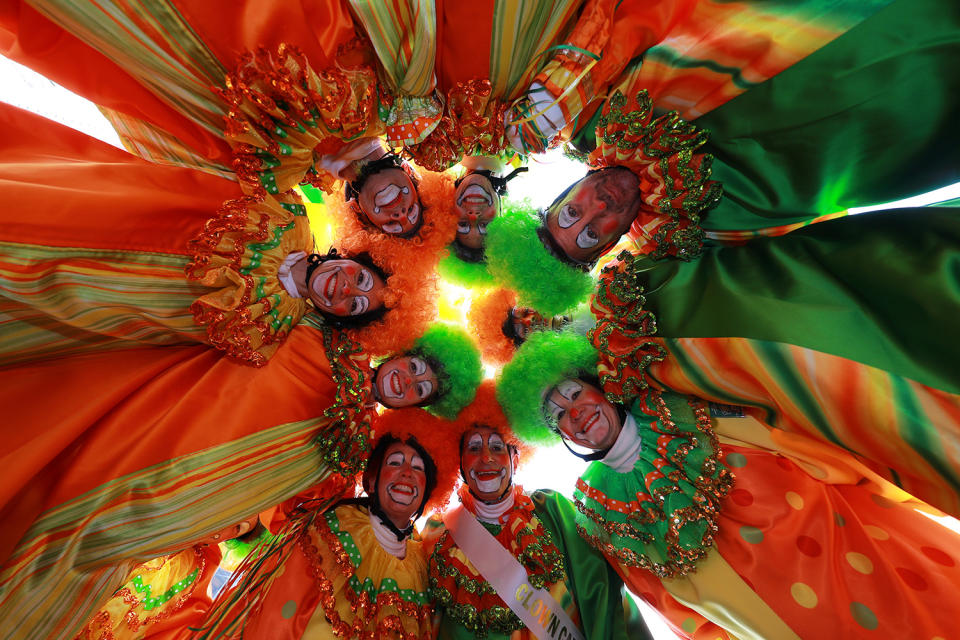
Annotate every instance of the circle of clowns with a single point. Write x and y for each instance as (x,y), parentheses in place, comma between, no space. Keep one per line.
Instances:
(235,406)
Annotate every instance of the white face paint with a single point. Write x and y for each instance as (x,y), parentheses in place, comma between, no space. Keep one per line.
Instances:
(487,463)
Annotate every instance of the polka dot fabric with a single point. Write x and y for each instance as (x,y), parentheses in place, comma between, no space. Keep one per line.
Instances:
(837,560)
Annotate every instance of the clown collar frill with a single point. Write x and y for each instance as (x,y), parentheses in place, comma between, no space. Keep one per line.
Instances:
(662,515)
(465,596)
(365,591)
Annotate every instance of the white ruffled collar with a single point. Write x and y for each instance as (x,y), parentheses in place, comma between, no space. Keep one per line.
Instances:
(626,450)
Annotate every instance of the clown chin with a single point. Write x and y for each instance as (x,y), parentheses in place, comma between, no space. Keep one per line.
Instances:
(489,486)
(404,496)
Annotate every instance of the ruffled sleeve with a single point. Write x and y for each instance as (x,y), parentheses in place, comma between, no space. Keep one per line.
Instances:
(674,178)
(283,115)
(238,255)
(624,330)
(661,516)
(365,592)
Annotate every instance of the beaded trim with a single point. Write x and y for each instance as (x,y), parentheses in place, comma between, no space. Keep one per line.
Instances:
(346,444)
(472,124)
(227,256)
(623,330)
(674,180)
(367,600)
(468,599)
(712,483)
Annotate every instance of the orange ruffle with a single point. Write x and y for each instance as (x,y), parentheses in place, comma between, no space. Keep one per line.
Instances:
(283,114)
(472,124)
(674,179)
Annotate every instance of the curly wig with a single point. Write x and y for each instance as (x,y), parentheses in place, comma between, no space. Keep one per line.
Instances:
(412,287)
(439,223)
(459,371)
(485,410)
(518,260)
(545,359)
(485,318)
(436,437)
(464,274)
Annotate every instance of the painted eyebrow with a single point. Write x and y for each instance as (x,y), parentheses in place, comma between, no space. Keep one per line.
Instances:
(475,439)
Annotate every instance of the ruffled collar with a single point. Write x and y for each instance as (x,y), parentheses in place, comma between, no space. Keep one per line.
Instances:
(490,513)
(387,538)
(626,450)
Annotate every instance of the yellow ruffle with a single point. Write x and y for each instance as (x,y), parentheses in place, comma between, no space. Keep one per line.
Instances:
(238,255)
(392,601)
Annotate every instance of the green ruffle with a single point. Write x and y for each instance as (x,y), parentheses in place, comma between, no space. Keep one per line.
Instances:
(663,515)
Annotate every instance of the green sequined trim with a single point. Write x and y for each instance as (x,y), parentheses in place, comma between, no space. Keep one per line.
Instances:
(151,601)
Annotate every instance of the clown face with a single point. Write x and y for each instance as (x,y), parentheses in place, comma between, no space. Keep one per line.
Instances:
(476,204)
(486,463)
(390,202)
(401,483)
(593,215)
(345,288)
(583,415)
(405,382)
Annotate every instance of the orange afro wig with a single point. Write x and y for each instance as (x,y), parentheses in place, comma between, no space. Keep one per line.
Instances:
(437,439)
(412,289)
(486,316)
(486,411)
(436,193)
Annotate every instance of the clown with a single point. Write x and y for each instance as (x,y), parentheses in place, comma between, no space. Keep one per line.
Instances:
(658,499)
(501,325)
(531,531)
(359,569)
(164,596)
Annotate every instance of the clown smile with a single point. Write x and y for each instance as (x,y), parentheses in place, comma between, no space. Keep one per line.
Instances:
(326,287)
(488,481)
(392,387)
(402,493)
(475,196)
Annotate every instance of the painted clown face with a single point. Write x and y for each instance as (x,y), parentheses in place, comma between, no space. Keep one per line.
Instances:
(593,215)
(486,463)
(582,414)
(401,483)
(345,288)
(405,381)
(390,201)
(476,204)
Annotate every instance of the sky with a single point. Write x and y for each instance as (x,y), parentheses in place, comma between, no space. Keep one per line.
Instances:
(551,468)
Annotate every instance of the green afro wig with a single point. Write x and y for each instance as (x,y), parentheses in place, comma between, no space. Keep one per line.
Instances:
(545,359)
(464,274)
(518,260)
(456,361)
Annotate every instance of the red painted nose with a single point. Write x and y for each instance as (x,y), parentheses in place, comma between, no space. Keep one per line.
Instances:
(472,217)
(575,413)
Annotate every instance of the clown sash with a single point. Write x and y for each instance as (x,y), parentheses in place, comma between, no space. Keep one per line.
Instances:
(536,608)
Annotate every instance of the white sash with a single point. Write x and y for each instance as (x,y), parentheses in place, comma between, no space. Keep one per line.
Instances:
(536,608)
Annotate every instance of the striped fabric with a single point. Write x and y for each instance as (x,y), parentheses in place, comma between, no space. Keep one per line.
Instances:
(151,41)
(726,48)
(523,33)
(739,236)
(76,554)
(152,143)
(56,301)
(404,35)
(904,430)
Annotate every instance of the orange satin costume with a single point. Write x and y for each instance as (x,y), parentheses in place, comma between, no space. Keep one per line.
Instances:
(120,452)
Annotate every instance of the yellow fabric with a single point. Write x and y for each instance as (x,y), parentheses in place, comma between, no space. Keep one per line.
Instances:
(375,567)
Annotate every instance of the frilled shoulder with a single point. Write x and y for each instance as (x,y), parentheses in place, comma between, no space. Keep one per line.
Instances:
(365,591)
(238,255)
(662,515)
